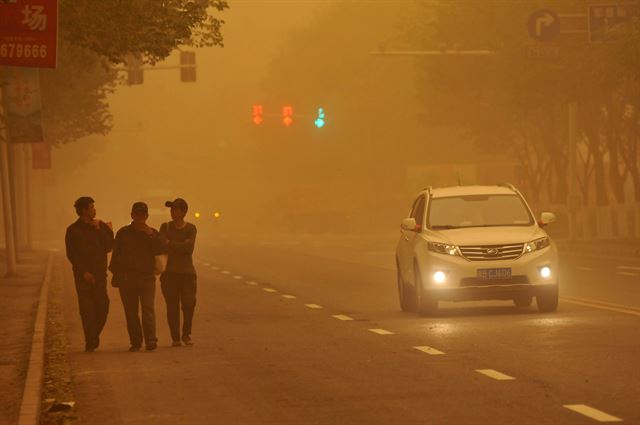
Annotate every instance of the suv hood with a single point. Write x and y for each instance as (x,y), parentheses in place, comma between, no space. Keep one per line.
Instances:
(487,235)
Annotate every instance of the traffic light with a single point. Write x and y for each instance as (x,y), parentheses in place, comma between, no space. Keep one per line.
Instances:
(257,114)
(188,67)
(135,73)
(287,115)
(320,122)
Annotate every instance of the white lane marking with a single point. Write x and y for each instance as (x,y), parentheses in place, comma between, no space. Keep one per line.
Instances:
(269,290)
(589,269)
(627,274)
(215,268)
(313,306)
(381,331)
(634,311)
(251,282)
(499,376)
(225,272)
(238,277)
(289,296)
(592,413)
(342,317)
(206,264)
(429,350)
(628,268)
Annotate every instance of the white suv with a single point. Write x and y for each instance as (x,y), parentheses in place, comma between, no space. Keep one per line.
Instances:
(475,243)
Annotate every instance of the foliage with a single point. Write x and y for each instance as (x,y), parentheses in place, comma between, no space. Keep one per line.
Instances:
(150,28)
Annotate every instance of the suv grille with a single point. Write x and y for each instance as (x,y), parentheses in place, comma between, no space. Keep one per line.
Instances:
(492,252)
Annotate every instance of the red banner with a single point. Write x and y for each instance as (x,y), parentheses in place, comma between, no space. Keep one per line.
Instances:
(28,33)
(40,156)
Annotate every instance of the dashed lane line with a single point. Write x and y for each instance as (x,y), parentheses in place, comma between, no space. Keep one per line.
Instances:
(592,413)
(588,269)
(215,268)
(627,274)
(629,268)
(269,290)
(225,272)
(498,376)
(289,296)
(206,264)
(342,317)
(313,306)
(251,283)
(381,331)
(429,350)
(602,305)
(238,277)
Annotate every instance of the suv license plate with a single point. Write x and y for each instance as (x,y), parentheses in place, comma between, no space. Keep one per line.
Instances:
(494,274)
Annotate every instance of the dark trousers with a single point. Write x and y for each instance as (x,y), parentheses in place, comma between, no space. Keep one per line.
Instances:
(135,292)
(179,290)
(94,307)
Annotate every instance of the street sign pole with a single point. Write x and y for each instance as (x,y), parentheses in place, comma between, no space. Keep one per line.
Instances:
(10,242)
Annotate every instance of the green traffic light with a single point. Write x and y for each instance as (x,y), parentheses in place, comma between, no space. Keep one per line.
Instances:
(320,120)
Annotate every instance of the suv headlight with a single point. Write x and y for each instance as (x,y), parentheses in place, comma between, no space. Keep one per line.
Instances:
(536,245)
(442,248)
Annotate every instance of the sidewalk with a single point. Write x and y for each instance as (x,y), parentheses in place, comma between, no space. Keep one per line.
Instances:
(18,305)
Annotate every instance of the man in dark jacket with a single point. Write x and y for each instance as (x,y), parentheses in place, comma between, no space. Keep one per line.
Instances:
(179,279)
(88,241)
(133,266)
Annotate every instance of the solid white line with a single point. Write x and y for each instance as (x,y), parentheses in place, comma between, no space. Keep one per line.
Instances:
(269,290)
(252,283)
(342,317)
(429,350)
(602,305)
(592,413)
(289,297)
(238,277)
(628,268)
(381,331)
(589,269)
(314,306)
(627,274)
(499,376)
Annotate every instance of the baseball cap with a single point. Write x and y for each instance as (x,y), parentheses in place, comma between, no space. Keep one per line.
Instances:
(139,207)
(178,203)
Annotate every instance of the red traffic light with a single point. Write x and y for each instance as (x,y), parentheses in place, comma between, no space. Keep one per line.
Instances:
(287,115)
(257,114)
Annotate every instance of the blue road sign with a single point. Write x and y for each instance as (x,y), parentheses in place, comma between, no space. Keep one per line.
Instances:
(543,25)
(611,22)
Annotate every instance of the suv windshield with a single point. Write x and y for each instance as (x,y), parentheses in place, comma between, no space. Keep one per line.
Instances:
(478,211)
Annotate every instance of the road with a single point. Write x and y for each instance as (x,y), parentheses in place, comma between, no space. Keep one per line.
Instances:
(310,332)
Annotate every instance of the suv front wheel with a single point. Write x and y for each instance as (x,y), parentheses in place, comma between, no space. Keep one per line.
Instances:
(425,304)
(547,300)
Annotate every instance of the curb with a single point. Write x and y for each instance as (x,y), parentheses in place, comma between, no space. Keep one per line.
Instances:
(31,398)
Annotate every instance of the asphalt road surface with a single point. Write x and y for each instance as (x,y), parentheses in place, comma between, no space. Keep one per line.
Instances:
(311,333)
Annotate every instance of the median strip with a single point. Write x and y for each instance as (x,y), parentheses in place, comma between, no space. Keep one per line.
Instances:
(592,413)
(494,374)
(602,305)
(429,350)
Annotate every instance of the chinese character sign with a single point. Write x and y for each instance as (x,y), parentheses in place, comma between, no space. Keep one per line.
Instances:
(28,33)
(23,107)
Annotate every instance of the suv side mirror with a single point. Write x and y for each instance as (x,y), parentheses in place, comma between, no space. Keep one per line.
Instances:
(409,224)
(547,218)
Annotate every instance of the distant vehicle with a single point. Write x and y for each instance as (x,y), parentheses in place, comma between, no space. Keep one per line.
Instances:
(475,243)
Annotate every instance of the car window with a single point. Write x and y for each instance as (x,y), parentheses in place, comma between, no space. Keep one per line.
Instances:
(478,211)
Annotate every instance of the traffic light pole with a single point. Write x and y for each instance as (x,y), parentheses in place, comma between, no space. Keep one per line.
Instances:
(10,243)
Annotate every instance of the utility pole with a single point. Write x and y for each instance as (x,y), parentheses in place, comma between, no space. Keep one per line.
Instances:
(6,194)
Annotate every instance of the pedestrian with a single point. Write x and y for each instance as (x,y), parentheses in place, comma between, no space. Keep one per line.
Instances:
(179,279)
(133,265)
(88,241)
